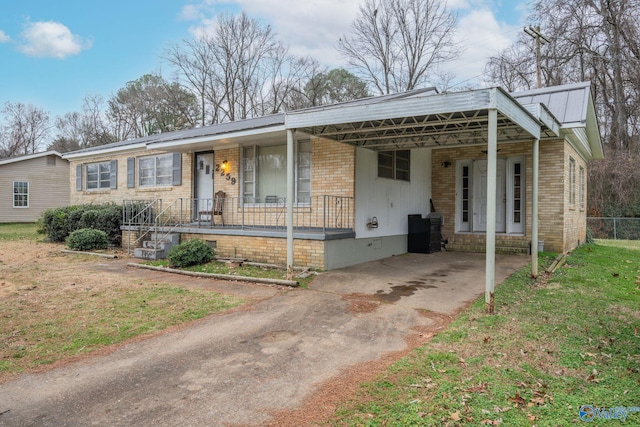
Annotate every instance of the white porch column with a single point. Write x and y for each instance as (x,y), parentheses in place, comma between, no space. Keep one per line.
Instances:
(492,162)
(534,208)
(290,197)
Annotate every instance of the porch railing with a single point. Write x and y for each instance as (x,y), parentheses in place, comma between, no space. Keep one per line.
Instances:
(320,213)
(142,214)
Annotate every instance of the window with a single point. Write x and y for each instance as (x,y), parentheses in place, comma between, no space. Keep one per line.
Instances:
(265,172)
(20,194)
(394,164)
(572,181)
(581,189)
(155,171)
(98,175)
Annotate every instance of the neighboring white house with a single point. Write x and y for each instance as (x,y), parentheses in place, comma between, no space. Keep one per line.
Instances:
(31,184)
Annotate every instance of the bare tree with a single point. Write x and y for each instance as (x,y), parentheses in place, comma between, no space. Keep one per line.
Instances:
(195,68)
(87,128)
(395,45)
(238,69)
(597,41)
(25,129)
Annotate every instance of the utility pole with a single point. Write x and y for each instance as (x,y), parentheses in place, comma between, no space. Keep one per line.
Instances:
(540,40)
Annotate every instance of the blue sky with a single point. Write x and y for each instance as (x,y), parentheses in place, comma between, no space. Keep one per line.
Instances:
(53,53)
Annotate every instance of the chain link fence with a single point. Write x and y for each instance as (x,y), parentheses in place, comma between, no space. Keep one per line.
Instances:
(614,228)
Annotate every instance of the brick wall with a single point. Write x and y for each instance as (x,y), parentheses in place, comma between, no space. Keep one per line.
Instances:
(575,216)
(552,194)
(307,253)
(333,168)
(122,192)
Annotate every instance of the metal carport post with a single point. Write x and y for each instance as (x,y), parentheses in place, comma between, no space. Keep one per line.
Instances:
(290,196)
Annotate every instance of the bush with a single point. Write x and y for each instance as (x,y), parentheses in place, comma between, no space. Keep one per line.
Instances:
(87,239)
(58,223)
(191,252)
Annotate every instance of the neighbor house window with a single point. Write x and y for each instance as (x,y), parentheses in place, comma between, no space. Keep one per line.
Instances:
(98,175)
(155,171)
(265,173)
(394,164)
(572,181)
(20,194)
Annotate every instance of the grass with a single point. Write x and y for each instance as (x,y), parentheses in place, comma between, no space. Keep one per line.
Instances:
(19,232)
(218,267)
(45,317)
(567,340)
(42,326)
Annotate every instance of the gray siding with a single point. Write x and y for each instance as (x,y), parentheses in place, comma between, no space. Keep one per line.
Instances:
(48,188)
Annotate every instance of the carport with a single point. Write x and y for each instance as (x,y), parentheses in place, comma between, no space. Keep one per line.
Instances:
(485,117)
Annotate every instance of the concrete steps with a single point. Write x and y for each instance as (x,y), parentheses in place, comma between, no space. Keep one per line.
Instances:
(157,247)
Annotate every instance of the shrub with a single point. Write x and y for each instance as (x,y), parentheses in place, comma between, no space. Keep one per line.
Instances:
(191,252)
(58,223)
(87,239)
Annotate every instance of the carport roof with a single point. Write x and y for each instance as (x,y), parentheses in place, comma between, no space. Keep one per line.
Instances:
(419,118)
(425,120)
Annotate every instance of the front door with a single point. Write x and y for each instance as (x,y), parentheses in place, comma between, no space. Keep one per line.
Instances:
(480,196)
(203,190)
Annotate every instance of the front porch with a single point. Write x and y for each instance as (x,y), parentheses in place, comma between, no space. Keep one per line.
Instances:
(242,227)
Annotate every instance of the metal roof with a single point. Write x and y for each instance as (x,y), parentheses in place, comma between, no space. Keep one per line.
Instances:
(208,132)
(568,103)
(573,106)
(420,120)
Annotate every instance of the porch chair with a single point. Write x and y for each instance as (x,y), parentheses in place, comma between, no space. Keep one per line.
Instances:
(216,208)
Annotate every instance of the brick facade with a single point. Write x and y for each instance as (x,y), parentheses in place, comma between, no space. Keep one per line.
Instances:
(121,193)
(561,226)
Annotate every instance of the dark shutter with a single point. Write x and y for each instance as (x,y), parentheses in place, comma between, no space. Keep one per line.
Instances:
(79,177)
(113,179)
(177,169)
(131,172)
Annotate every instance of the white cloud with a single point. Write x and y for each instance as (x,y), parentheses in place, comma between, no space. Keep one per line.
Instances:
(481,36)
(51,40)
(314,27)
(307,27)
(4,37)
(190,12)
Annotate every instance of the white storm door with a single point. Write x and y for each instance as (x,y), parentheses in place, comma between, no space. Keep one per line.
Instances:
(480,196)
(204,183)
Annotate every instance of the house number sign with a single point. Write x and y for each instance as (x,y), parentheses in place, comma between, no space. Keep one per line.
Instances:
(227,175)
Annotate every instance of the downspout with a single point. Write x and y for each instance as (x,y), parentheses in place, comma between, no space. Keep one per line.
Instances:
(290,197)
(534,208)
(492,162)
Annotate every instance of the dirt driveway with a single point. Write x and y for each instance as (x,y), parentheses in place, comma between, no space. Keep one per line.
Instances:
(285,360)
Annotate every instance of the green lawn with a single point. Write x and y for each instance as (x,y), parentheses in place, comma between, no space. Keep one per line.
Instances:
(554,345)
(19,231)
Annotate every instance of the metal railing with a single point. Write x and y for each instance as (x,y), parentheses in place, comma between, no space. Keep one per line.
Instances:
(140,214)
(317,214)
(614,228)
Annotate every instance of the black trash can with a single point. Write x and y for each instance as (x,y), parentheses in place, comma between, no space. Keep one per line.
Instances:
(424,234)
